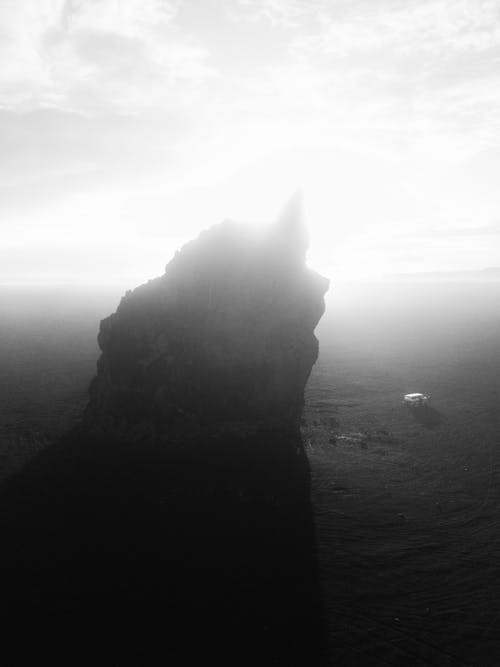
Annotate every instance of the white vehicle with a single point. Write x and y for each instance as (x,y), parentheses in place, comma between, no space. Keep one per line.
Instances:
(415,400)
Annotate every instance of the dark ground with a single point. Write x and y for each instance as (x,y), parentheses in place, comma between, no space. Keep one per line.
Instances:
(406,506)
(190,554)
(121,555)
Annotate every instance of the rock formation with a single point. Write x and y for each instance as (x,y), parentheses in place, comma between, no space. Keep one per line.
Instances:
(204,551)
(224,337)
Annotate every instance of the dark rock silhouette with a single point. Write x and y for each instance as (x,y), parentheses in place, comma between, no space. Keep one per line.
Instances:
(120,553)
(224,337)
(123,549)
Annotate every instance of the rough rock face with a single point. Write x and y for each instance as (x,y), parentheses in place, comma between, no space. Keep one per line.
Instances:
(225,336)
(204,551)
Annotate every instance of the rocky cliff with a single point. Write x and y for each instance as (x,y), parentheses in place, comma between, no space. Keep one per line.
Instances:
(224,337)
(202,552)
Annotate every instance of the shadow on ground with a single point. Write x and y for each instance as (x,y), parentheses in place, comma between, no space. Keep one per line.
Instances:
(427,416)
(122,554)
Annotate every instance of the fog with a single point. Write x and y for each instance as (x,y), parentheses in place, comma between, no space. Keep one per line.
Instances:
(436,319)
(367,318)
(417,333)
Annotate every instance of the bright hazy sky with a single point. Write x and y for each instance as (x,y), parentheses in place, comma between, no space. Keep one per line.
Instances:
(127,126)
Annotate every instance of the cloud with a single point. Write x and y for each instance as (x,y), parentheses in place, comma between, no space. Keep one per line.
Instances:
(289,13)
(95,55)
(418,71)
(344,27)
(49,155)
(113,111)
(425,72)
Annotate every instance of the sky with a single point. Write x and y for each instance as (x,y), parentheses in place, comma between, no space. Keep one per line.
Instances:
(128,126)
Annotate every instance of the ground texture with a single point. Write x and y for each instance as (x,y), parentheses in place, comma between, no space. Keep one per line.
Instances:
(406,506)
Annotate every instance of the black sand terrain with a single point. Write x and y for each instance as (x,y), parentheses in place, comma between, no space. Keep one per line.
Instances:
(405,505)
(201,552)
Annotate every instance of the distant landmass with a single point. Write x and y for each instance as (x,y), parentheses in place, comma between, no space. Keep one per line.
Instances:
(490,274)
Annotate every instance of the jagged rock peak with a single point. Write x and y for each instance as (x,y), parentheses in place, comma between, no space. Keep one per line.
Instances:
(291,227)
(225,336)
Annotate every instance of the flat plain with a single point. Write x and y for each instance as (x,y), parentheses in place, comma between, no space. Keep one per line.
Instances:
(406,504)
